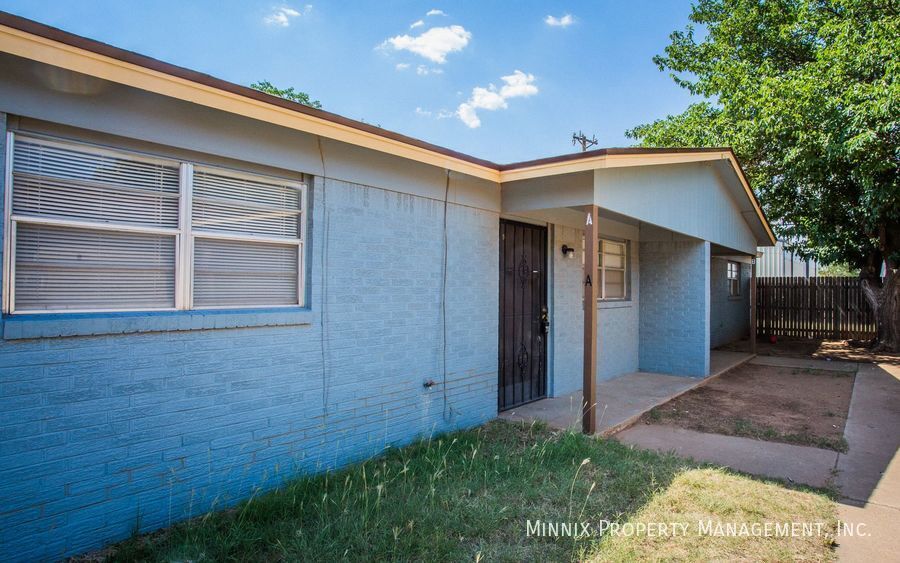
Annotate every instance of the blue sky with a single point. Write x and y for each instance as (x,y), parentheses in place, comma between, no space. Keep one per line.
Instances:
(505,81)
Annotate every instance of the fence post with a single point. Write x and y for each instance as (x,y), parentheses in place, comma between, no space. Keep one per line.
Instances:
(753,305)
(836,310)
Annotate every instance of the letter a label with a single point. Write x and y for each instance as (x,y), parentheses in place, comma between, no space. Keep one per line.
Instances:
(589,220)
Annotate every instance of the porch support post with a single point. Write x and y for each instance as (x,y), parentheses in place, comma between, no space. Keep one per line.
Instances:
(591,286)
(753,304)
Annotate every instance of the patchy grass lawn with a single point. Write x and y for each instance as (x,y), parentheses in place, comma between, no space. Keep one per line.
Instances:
(468,496)
(713,496)
(797,406)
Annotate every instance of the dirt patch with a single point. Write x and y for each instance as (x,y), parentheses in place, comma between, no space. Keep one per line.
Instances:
(793,405)
(846,350)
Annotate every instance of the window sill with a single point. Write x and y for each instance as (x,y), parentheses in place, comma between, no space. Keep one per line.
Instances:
(614,303)
(54,325)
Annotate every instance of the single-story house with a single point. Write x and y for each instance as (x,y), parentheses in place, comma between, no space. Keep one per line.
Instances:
(207,290)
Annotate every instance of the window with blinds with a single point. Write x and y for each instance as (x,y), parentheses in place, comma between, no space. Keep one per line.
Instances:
(247,240)
(96,229)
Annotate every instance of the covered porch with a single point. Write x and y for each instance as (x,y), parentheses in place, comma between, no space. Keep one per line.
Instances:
(649,339)
(622,400)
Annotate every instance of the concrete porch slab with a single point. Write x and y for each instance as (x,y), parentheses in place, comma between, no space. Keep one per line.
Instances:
(623,400)
(721,361)
(618,400)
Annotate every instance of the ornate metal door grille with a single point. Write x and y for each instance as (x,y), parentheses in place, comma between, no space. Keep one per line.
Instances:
(523,299)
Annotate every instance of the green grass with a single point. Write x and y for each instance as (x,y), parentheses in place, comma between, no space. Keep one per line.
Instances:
(704,495)
(468,495)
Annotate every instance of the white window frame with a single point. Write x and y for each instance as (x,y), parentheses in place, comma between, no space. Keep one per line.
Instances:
(624,269)
(184,235)
(194,234)
(734,281)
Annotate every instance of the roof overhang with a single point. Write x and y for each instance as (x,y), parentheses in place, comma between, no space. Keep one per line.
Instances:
(34,41)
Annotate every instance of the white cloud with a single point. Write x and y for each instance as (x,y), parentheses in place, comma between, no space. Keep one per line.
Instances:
(402,66)
(468,116)
(487,98)
(282,16)
(417,23)
(423,70)
(516,85)
(435,12)
(434,44)
(440,114)
(564,21)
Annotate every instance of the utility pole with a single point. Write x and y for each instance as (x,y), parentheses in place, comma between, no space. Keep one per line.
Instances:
(582,139)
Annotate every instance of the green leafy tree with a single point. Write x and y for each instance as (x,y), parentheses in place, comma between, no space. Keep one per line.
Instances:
(838,269)
(286,93)
(807,94)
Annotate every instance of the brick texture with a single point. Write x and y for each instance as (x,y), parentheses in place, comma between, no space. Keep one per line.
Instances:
(674,307)
(617,321)
(103,434)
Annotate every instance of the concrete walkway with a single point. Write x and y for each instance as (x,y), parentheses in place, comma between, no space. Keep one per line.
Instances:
(868,476)
(805,363)
(869,473)
(623,400)
(799,464)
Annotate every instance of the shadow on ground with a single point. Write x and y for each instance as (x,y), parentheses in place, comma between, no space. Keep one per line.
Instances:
(470,495)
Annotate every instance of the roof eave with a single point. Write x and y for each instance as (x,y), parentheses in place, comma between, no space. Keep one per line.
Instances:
(35,41)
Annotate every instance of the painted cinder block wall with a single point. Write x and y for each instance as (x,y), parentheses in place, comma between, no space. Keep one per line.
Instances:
(617,321)
(675,307)
(105,433)
(729,316)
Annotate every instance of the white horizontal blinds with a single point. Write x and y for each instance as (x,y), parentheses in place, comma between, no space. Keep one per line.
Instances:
(247,239)
(93,229)
(243,273)
(613,263)
(96,229)
(61,268)
(245,204)
(77,182)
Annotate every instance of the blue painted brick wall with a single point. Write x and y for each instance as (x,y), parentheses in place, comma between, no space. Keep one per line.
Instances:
(729,316)
(674,307)
(100,433)
(617,321)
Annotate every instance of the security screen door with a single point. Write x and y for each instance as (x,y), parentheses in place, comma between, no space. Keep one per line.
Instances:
(523,314)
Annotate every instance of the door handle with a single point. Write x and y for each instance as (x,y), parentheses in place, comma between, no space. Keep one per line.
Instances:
(545,321)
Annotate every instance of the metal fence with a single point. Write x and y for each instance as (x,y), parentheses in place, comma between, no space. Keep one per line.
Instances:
(826,307)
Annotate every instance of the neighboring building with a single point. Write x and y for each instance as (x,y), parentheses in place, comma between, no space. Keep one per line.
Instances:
(776,261)
(208,290)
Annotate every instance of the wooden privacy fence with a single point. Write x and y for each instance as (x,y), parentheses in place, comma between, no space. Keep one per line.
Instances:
(828,308)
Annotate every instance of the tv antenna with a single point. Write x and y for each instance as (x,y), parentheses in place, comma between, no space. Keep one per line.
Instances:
(582,139)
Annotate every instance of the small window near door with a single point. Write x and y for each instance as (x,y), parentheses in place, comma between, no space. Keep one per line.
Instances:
(613,264)
(734,279)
